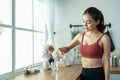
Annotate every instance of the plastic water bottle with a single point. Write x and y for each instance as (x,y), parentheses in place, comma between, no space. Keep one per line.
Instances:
(53,69)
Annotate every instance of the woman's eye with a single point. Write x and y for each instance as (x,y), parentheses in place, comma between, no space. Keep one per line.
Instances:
(88,22)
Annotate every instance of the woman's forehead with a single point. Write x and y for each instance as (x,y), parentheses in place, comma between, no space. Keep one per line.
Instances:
(87,17)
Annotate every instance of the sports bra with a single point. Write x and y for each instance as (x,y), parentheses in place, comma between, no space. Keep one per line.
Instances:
(91,51)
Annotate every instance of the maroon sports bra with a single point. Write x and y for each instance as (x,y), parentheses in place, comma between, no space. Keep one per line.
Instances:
(91,51)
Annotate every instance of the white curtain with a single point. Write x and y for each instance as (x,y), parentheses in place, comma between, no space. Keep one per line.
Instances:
(49,13)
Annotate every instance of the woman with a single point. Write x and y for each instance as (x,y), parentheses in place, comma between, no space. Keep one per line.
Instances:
(94,45)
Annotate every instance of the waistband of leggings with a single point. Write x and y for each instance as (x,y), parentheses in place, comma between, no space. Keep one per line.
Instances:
(93,68)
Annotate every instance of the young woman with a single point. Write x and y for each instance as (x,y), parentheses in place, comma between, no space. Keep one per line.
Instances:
(94,47)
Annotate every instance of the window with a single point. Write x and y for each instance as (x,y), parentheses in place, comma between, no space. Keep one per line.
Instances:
(5,37)
(23,13)
(5,11)
(5,50)
(27,40)
(23,48)
(22,34)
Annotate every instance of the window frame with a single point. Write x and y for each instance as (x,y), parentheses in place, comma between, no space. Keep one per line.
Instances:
(14,28)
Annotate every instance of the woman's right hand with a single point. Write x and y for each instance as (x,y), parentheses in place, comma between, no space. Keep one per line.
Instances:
(57,53)
(60,51)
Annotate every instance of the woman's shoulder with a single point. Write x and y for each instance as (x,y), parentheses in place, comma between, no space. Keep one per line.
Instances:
(79,36)
(105,37)
(81,33)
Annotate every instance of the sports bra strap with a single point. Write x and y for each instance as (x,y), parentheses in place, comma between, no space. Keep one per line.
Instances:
(82,37)
(100,37)
(97,40)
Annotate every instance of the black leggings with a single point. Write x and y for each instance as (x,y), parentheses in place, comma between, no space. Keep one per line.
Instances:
(92,74)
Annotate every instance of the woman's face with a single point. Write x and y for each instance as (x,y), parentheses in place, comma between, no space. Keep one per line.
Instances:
(89,23)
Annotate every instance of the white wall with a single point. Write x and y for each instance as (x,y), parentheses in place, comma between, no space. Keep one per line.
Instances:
(70,12)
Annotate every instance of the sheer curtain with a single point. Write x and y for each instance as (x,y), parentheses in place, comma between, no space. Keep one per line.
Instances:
(49,14)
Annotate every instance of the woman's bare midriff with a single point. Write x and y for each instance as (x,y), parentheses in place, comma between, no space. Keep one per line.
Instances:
(91,63)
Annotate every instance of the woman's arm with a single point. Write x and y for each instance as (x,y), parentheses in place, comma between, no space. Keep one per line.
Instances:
(106,49)
(71,45)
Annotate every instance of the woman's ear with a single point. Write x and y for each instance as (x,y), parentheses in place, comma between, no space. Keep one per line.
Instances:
(97,22)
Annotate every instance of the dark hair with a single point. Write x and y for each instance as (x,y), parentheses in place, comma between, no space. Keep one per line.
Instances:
(96,15)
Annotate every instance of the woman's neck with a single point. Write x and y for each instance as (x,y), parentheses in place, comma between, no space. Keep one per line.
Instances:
(91,33)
